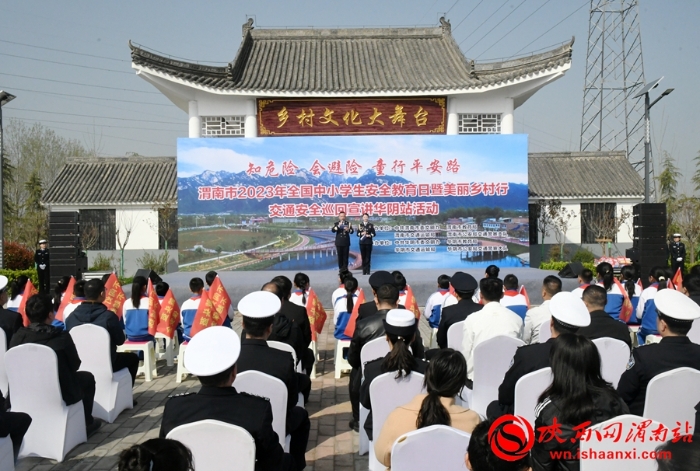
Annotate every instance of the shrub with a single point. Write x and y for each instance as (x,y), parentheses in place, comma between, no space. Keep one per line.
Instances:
(584,256)
(555,251)
(557,266)
(152,261)
(17,257)
(102,263)
(12,275)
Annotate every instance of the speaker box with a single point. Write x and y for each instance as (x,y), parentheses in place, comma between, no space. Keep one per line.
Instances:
(148,274)
(649,209)
(571,270)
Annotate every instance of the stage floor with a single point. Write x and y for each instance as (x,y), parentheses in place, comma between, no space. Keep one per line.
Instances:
(324,282)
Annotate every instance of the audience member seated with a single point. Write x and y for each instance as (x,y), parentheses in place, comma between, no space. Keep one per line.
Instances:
(212,357)
(400,326)
(14,424)
(691,286)
(372,327)
(283,329)
(646,309)
(569,315)
(602,325)
(75,385)
(300,293)
(464,286)
(209,278)
(17,292)
(606,279)
(258,310)
(491,321)
(59,292)
(376,279)
(679,455)
(536,316)
(299,317)
(92,311)
(444,379)
(340,291)
(189,308)
(578,394)
(628,280)
(343,308)
(78,298)
(480,455)
(585,278)
(156,454)
(433,306)
(136,312)
(676,313)
(512,298)
(10,321)
(401,284)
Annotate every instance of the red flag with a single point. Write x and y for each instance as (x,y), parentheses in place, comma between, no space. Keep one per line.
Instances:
(523,291)
(678,279)
(153,309)
(411,303)
(220,299)
(114,295)
(350,328)
(29,291)
(206,315)
(627,308)
(317,315)
(67,298)
(169,316)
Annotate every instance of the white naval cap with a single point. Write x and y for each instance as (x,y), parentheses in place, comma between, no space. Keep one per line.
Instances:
(259,304)
(676,305)
(676,235)
(569,309)
(3,282)
(212,351)
(401,322)
(42,241)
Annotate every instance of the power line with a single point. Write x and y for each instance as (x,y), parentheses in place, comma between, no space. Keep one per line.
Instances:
(513,29)
(484,22)
(428,10)
(95,125)
(89,97)
(80,84)
(497,24)
(65,63)
(114,137)
(93,116)
(63,50)
(470,12)
(550,29)
(453,5)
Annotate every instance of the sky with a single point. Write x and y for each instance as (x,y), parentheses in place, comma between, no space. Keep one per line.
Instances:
(68,61)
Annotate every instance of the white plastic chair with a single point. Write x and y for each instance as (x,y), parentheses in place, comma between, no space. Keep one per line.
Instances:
(213,443)
(316,359)
(56,428)
(387,393)
(635,447)
(377,348)
(181,370)
(694,333)
(3,374)
(614,356)
(492,359)
(545,331)
(7,457)
(672,396)
(113,391)
(264,385)
(528,390)
(285,347)
(170,347)
(455,335)
(436,447)
(653,338)
(341,364)
(148,365)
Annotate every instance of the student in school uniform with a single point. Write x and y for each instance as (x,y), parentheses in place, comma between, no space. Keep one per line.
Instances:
(512,298)
(188,310)
(616,297)
(433,306)
(646,309)
(585,278)
(16,292)
(209,278)
(135,311)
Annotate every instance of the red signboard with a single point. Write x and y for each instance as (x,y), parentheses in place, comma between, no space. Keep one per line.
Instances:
(326,117)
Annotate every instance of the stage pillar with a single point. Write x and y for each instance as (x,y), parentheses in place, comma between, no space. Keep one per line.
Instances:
(195,122)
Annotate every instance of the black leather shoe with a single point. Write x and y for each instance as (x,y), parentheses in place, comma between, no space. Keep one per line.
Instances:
(354,425)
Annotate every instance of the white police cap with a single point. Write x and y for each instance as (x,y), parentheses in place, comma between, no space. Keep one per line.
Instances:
(212,351)
(3,282)
(569,309)
(676,305)
(259,304)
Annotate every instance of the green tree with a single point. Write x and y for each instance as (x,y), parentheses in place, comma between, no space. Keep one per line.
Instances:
(35,217)
(696,176)
(668,179)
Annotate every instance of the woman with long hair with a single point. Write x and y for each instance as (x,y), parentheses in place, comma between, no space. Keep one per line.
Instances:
(17,292)
(629,280)
(578,395)
(400,328)
(301,289)
(136,311)
(156,454)
(59,290)
(646,309)
(445,377)
(343,307)
(606,279)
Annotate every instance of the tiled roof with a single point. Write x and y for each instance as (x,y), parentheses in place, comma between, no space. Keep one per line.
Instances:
(90,181)
(582,174)
(340,61)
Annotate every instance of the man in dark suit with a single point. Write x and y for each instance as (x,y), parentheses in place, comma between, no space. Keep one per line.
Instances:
(342,230)
(10,321)
(569,316)
(377,279)
(258,310)
(464,286)
(211,356)
(602,325)
(41,260)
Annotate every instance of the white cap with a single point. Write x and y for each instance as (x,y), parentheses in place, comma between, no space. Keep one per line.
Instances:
(676,305)
(42,241)
(212,351)
(259,304)
(401,318)
(3,282)
(569,309)
(676,235)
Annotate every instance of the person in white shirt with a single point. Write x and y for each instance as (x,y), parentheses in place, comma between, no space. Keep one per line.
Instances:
(491,321)
(536,316)
(340,291)
(433,306)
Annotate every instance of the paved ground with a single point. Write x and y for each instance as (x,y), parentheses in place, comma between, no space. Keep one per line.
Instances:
(332,446)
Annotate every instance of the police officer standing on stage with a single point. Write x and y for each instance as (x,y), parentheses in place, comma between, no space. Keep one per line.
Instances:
(677,251)
(366,234)
(342,229)
(41,259)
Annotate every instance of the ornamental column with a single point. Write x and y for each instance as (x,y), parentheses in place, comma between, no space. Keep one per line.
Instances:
(195,122)
(452,123)
(251,121)
(507,122)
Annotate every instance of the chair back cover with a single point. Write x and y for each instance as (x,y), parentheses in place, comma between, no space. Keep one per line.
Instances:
(437,447)
(614,357)
(455,335)
(492,359)
(528,390)
(264,385)
(672,396)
